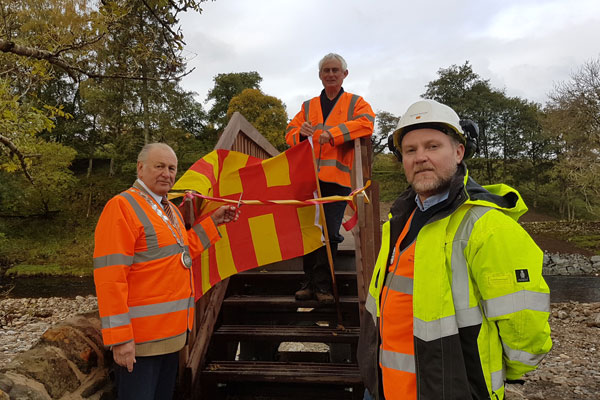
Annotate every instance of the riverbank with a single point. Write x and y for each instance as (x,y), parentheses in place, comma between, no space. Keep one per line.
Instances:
(570,371)
(23,321)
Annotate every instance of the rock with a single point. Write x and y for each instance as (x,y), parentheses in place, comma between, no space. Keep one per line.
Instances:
(74,344)
(23,388)
(562,315)
(43,365)
(22,392)
(595,322)
(42,313)
(5,383)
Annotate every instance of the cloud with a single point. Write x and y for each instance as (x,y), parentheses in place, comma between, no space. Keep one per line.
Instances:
(393,48)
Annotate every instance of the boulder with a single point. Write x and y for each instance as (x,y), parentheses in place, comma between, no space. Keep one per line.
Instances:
(75,345)
(47,366)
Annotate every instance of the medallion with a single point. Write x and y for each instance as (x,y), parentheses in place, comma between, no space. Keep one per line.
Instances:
(186,259)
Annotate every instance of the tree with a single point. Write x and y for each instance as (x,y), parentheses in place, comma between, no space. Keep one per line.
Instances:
(471,97)
(74,40)
(226,87)
(65,33)
(385,124)
(574,122)
(99,77)
(266,113)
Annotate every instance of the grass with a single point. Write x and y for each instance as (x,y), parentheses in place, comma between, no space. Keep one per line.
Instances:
(589,242)
(23,270)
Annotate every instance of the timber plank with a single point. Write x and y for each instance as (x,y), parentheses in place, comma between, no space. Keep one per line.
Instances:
(289,333)
(283,301)
(266,371)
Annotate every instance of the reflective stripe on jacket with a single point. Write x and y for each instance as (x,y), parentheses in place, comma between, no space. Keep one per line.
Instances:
(475,323)
(397,350)
(144,292)
(351,117)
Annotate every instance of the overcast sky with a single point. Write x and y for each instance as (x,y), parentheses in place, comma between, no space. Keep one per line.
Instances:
(393,47)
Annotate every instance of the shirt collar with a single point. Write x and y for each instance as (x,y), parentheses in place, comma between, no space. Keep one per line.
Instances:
(431,201)
(324,95)
(150,192)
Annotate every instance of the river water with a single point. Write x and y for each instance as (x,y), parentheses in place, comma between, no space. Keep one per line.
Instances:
(48,286)
(584,289)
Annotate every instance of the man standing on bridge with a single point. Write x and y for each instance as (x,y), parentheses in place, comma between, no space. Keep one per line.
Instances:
(457,304)
(333,119)
(143,276)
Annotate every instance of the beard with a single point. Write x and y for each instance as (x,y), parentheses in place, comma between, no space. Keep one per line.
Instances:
(434,182)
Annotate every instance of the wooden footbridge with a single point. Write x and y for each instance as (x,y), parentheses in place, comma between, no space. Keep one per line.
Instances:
(252,339)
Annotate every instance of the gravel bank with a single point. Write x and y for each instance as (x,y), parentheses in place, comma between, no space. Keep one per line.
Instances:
(23,321)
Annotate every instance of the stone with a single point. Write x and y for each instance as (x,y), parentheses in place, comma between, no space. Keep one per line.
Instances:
(595,321)
(4,395)
(47,367)
(74,344)
(42,313)
(22,392)
(5,383)
(98,383)
(562,314)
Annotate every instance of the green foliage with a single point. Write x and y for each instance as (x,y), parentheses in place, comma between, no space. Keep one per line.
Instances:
(49,167)
(226,87)
(23,270)
(388,172)
(385,124)
(590,242)
(573,121)
(63,238)
(266,113)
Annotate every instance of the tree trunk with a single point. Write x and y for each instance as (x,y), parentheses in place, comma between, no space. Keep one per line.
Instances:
(89,169)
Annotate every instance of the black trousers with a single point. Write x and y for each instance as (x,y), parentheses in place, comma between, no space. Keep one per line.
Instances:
(152,378)
(315,264)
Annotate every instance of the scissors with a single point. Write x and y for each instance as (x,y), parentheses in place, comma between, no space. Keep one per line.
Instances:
(239,203)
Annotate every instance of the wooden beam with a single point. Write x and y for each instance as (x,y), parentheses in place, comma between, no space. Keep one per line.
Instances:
(238,124)
(238,135)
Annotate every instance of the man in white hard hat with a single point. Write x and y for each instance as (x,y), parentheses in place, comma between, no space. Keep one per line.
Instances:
(457,304)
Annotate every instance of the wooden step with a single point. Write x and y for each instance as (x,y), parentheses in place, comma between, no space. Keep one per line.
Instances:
(258,273)
(271,316)
(283,282)
(288,391)
(287,302)
(288,333)
(266,371)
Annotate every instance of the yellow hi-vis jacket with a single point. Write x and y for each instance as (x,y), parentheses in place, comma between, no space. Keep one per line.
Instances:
(480,304)
(351,117)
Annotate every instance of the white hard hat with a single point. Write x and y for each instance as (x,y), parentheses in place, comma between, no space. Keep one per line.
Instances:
(430,114)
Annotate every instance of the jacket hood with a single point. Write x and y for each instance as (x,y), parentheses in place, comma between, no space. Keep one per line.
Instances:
(499,196)
(463,189)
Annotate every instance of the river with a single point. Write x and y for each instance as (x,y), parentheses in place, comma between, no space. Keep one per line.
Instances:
(584,289)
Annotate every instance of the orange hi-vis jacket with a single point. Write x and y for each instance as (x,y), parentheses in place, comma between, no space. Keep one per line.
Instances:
(351,117)
(397,350)
(145,293)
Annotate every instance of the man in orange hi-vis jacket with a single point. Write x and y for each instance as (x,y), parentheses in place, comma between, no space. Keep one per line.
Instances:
(143,277)
(333,119)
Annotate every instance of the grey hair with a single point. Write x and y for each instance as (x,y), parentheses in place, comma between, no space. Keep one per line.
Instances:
(333,56)
(143,154)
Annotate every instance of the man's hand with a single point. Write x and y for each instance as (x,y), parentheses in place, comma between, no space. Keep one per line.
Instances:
(306,129)
(326,137)
(124,355)
(225,214)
